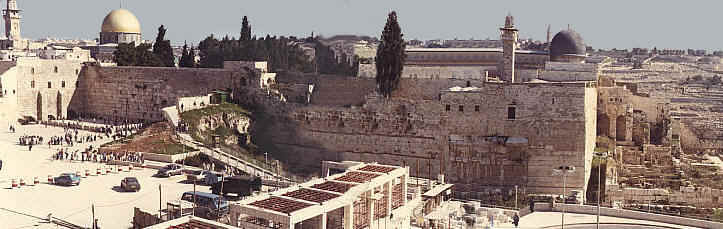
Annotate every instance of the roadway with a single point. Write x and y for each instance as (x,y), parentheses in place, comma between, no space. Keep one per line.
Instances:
(553,220)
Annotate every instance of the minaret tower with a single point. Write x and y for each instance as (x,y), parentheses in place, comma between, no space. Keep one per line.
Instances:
(509,45)
(12,20)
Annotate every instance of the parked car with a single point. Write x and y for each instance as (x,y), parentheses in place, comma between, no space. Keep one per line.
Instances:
(198,175)
(27,120)
(130,184)
(575,197)
(170,170)
(239,185)
(67,179)
(209,206)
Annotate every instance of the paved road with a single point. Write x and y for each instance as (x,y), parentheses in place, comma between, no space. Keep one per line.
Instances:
(611,226)
(553,219)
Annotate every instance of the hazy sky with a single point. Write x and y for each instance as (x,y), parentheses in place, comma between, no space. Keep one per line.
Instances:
(602,23)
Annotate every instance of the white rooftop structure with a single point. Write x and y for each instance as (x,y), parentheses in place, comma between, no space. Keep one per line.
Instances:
(356,198)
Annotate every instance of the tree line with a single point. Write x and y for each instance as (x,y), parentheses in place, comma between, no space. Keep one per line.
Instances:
(282,53)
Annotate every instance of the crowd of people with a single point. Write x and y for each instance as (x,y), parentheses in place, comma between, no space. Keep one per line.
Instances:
(27,140)
(71,137)
(92,155)
(182,127)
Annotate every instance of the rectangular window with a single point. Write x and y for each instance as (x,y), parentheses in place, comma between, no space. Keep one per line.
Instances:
(476,108)
(447,107)
(50,85)
(461,108)
(511,113)
(32,84)
(62,84)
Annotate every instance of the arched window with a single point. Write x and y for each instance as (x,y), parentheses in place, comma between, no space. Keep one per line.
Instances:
(62,84)
(32,70)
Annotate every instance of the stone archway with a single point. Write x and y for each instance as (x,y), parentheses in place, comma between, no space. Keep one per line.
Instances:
(59,106)
(620,128)
(603,125)
(40,107)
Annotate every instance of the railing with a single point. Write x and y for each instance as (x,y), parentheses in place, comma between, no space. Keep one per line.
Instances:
(671,214)
(235,162)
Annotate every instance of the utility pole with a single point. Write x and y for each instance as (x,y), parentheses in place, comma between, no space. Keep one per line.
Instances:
(601,156)
(160,206)
(516,197)
(193,213)
(92,221)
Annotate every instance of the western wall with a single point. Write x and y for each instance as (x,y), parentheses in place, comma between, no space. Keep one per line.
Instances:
(139,93)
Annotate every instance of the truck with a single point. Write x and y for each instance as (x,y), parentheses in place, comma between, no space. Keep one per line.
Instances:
(239,185)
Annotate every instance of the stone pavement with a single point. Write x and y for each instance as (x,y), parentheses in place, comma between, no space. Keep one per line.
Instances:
(22,207)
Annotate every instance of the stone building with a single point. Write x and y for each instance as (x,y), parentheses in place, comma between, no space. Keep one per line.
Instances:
(565,62)
(11,15)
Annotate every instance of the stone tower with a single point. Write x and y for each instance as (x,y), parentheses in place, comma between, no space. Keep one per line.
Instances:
(509,45)
(12,20)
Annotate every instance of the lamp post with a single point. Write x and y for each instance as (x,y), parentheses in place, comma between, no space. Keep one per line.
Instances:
(516,198)
(564,170)
(602,155)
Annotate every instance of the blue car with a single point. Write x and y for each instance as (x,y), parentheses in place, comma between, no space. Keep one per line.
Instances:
(208,205)
(67,179)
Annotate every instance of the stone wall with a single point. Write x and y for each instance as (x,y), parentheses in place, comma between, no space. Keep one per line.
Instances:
(658,155)
(328,90)
(139,93)
(46,87)
(466,135)
(8,91)
(193,103)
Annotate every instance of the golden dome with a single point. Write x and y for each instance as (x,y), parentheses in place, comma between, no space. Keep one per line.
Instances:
(121,21)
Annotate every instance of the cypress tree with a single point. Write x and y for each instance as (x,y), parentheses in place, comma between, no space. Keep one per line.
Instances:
(186,57)
(390,56)
(245,30)
(162,49)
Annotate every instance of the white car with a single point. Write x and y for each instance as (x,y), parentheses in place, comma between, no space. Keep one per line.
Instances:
(170,170)
(198,175)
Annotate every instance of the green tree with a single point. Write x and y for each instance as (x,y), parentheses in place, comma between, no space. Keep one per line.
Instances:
(390,56)
(125,54)
(245,30)
(162,48)
(210,53)
(187,57)
(145,57)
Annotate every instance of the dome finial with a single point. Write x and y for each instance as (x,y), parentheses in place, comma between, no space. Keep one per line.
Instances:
(509,21)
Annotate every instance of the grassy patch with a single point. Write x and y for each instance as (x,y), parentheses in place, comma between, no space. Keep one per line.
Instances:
(169,148)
